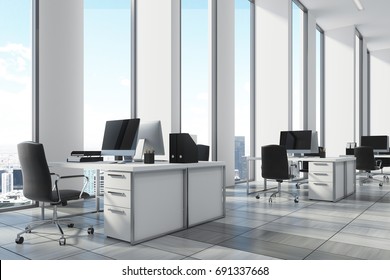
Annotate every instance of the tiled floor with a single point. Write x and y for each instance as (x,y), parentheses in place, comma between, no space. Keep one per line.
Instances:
(357,227)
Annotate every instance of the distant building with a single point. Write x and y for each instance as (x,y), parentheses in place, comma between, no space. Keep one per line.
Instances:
(18,179)
(7,182)
(240,164)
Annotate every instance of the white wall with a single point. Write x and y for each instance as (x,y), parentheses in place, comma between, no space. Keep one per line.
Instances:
(365,98)
(380,88)
(273,81)
(158,64)
(339,89)
(61,102)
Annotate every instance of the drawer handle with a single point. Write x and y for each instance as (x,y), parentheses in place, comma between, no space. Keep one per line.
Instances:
(321,174)
(116,211)
(320,164)
(116,193)
(321,184)
(116,175)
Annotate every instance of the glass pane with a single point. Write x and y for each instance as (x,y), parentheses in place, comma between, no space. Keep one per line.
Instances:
(297,67)
(107,64)
(15,94)
(195,70)
(242,87)
(357,88)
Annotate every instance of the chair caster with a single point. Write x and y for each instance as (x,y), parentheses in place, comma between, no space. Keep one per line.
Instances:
(380,184)
(62,241)
(270,200)
(296,200)
(70,225)
(27,229)
(91,230)
(19,240)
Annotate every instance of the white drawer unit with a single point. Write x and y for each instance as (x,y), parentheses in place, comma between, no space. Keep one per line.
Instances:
(117,205)
(326,181)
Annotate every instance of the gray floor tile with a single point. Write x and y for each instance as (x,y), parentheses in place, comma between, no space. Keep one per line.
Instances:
(177,245)
(354,251)
(223,253)
(224,228)
(284,238)
(318,255)
(270,249)
(206,236)
(125,251)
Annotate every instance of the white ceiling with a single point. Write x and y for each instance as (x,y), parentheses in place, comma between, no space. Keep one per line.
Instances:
(373,22)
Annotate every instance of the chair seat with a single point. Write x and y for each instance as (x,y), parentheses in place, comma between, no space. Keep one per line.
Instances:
(67,195)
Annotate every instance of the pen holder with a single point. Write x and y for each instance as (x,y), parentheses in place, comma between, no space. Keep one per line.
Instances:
(149,158)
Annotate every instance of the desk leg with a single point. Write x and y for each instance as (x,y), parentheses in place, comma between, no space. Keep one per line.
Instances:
(97,191)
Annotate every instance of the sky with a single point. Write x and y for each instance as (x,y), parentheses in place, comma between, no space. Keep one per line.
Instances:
(15,73)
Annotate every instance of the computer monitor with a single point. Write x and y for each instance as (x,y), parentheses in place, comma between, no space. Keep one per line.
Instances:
(120,138)
(380,143)
(151,132)
(296,142)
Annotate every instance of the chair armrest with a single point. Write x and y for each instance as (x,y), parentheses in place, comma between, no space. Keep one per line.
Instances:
(379,163)
(71,177)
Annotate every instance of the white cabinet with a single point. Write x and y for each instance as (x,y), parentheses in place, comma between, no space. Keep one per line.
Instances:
(117,205)
(331,179)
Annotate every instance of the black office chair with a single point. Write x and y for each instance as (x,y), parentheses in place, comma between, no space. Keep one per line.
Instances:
(365,161)
(274,166)
(203,152)
(37,186)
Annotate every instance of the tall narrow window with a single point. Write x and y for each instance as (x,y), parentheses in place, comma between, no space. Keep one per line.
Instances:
(195,99)
(16,96)
(107,61)
(242,87)
(298,65)
(320,85)
(106,66)
(358,86)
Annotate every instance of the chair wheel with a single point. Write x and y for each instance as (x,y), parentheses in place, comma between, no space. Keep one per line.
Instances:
(27,229)
(71,225)
(19,240)
(91,230)
(270,200)
(296,200)
(62,241)
(257,196)
(380,184)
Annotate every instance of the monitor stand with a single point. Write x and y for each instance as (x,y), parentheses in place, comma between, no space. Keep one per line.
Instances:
(123,159)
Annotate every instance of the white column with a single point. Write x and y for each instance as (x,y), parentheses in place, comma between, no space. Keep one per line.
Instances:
(339,89)
(60,77)
(158,64)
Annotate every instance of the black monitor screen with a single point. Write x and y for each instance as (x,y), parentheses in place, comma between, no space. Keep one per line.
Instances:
(120,137)
(380,143)
(298,141)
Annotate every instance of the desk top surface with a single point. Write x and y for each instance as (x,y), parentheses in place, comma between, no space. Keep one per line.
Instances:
(327,159)
(135,166)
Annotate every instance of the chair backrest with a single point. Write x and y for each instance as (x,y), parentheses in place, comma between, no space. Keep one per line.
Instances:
(274,162)
(365,159)
(37,184)
(203,152)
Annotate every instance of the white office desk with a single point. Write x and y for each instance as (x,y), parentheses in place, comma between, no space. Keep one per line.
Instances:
(144,201)
(330,179)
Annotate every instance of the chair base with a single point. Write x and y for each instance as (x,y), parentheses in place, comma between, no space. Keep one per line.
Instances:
(279,191)
(370,177)
(55,221)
